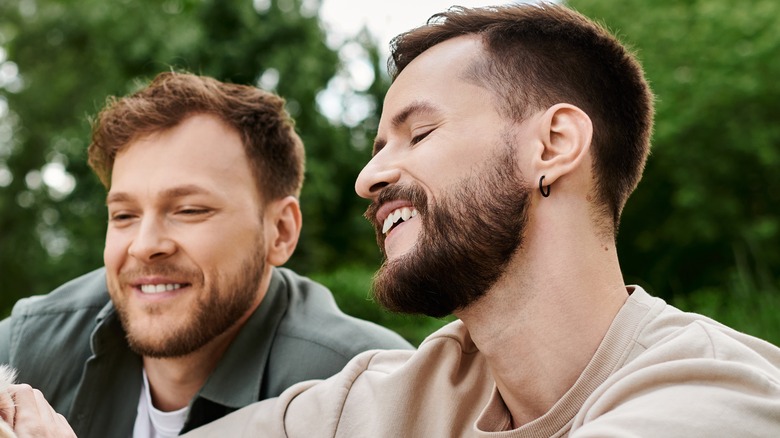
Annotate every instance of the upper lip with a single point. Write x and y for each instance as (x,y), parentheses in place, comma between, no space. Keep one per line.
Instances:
(388,207)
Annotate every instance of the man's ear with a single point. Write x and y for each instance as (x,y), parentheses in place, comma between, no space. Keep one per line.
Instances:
(283,228)
(566,133)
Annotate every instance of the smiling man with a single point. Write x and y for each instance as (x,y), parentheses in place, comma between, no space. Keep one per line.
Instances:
(508,144)
(192,317)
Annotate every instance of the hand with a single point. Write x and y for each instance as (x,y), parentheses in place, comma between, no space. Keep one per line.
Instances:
(6,408)
(34,417)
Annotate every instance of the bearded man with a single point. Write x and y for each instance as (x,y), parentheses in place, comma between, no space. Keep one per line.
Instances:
(509,141)
(192,317)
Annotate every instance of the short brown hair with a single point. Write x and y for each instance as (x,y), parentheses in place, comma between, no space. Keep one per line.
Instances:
(274,149)
(544,54)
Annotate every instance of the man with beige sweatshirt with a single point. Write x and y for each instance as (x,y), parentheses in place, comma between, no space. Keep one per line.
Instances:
(509,142)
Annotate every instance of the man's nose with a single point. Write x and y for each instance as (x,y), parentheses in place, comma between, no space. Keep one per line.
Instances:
(152,241)
(375,176)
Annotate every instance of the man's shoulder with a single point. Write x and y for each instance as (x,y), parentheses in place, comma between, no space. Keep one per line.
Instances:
(367,395)
(686,366)
(314,339)
(312,316)
(87,292)
(47,337)
(687,334)
(449,349)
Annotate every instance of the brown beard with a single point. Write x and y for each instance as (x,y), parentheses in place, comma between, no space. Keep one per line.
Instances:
(213,315)
(465,243)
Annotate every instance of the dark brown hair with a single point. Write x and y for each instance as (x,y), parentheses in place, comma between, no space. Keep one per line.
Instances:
(274,149)
(538,55)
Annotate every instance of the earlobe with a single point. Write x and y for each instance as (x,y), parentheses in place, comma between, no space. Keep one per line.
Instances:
(566,138)
(285,223)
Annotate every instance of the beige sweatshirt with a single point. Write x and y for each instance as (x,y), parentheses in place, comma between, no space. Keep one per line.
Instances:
(658,372)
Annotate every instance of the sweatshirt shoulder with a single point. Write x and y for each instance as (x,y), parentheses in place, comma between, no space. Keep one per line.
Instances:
(672,333)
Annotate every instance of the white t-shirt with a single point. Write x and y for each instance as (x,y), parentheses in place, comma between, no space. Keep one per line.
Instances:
(151,422)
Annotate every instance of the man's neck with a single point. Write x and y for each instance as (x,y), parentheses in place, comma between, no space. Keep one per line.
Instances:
(173,382)
(540,325)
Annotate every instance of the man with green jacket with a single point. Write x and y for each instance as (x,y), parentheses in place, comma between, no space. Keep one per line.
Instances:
(192,317)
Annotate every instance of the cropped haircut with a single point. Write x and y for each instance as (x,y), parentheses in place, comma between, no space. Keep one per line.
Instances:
(538,55)
(273,148)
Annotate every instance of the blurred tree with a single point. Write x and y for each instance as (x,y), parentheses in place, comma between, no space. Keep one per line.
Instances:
(705,214)
(59,60)
(703,220)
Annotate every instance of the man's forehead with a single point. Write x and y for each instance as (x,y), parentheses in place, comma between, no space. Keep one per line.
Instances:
(201,152)
(449,60)
(453,52)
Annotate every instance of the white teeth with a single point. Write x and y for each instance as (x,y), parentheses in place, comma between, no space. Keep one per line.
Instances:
(158,288)
(404,213)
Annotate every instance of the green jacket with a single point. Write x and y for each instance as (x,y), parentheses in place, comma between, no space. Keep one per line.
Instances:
(71,346)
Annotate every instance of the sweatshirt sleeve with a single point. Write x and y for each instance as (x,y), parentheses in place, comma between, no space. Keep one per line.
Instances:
(729,391)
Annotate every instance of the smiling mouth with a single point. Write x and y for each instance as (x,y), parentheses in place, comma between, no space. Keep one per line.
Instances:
(160,288)
(397,217)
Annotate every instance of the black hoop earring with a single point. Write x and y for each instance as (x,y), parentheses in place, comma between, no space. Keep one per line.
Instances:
(541,188)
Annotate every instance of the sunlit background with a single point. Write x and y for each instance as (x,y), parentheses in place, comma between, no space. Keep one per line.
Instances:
(702,230)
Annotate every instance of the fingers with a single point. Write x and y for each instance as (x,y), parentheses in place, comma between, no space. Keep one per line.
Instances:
(5,430)
(64,427)
(34,417)
(6,407)
(7,377)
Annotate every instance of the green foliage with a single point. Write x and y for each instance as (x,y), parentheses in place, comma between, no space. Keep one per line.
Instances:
(702,230)
(351,286)
(711,183)
(72,55)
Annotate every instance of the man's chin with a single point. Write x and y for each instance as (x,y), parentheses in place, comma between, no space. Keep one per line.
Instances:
(397,291)
(148,345)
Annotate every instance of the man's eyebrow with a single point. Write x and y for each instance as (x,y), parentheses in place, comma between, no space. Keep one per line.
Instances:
(416,107)
(117,197)
(173,192)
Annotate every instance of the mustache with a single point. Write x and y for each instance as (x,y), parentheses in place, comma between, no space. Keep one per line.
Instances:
(410,192)
(161,270)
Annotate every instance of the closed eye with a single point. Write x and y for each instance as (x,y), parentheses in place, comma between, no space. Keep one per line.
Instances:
(193,211)
(418,138)
(120,217)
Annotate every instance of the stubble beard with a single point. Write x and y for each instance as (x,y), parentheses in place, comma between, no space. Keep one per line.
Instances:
(466,241)
(213,313)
